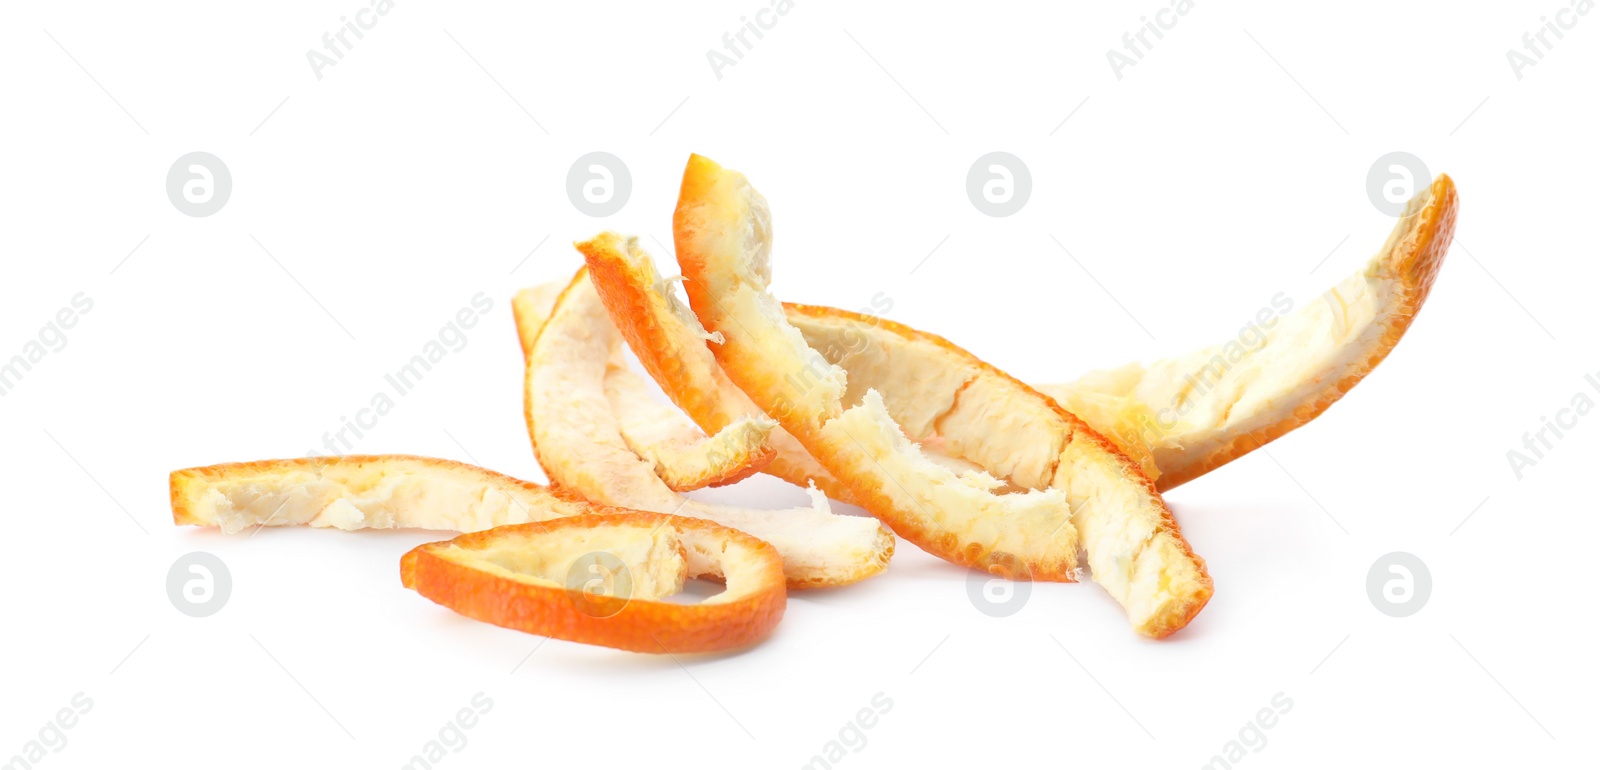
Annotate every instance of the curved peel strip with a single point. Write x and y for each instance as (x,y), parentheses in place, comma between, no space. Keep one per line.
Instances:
(579,443)
(943,395)
(1144,410)
(723,237)
(684,457)
(533,578)
(361,492)
(1187,415)
(671,344)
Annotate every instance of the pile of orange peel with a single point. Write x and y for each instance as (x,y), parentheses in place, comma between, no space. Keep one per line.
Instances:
(942,449)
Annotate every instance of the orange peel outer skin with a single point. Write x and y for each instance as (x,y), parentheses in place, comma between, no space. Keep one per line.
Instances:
(735,473)
(642,625)
(625,289)
(1421,255)
(860,488)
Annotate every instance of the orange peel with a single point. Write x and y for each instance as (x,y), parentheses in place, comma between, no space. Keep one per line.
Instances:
(671,345)
(1135,406)
(600,579)
(1000,426)
(1188,415)
(723,237)
(684,457)
(578,441)
(352,492)
(941,395)
(667,337)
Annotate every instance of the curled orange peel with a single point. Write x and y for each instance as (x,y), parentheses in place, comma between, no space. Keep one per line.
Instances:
(578,440)
(361,492)
(684,457)
(943,396)
(965,414)
(671,345)
(1187,415)
(723,238)
(601,579)
(1177,427)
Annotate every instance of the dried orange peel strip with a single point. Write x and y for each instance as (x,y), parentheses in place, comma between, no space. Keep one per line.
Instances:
(1141,555)
(671,345)
(600,579)
(722,231)
(361,492)
(669,340)
(942,395)
(579,442)
(684,457)
(1305,363)
(1187,415)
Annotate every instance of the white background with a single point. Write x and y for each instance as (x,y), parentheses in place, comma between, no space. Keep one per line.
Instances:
(1223,168)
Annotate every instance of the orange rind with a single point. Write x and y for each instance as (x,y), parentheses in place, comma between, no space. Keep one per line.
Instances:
(722,230)
(943,396)
(579,443)
(601,579)
(684,457)
(965,414)
(352,492)
(1188,415)
(671,345)
(1318,353)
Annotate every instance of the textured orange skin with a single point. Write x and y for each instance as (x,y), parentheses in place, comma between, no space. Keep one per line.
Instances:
(739,468)
(750,466)
(754,378)
(1418,258)
(734,473)
(528,344)
(179,480)
(628,294)
(1076,429)
(643,625)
